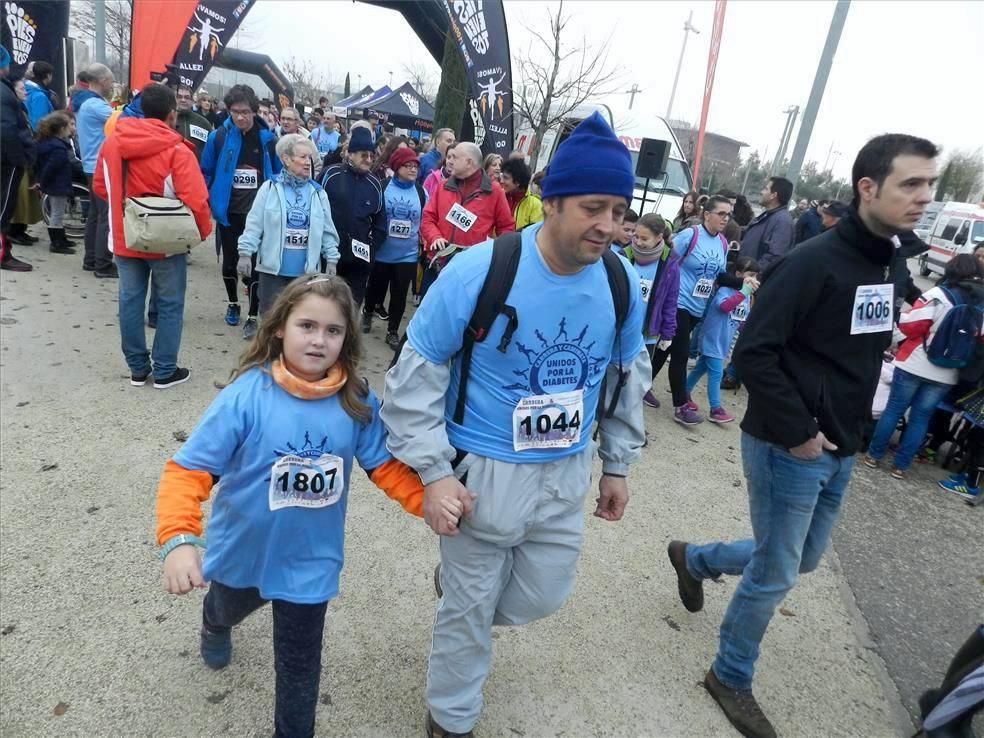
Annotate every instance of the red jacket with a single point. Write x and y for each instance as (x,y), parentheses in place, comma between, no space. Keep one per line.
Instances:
(157,156)
(487,202)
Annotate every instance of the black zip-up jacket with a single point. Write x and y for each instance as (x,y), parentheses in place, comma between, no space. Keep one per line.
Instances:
(357,209)
(803,369)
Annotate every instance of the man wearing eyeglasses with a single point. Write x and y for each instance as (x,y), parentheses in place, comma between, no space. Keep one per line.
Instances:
(238,157)
(770,235)
(194,128)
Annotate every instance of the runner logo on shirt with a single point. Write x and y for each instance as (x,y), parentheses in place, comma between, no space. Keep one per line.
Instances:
(557,362)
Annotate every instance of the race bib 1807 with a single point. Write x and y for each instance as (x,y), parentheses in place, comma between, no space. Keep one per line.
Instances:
(703,288)
(460,217)
(296,238)
(548,421)
(245,179)
(872,312)
(647,287)
(361,250)
(400,228)
(300,482)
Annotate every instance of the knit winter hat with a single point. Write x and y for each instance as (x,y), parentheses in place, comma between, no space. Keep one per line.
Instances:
(401,156)
(361,140)
(592,161)
(4,57)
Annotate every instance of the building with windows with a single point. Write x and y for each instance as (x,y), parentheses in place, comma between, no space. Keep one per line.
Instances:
(721,155)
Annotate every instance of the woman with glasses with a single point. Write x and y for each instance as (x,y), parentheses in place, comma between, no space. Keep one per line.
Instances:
(702,251)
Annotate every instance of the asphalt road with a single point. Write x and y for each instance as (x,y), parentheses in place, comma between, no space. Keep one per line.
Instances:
(913,557)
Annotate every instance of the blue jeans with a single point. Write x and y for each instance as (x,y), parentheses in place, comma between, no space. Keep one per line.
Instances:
(919,396)
(793,505)
(714,369)
(169,275)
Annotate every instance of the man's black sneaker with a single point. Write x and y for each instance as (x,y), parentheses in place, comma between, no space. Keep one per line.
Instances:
(690,588)
(139,380)
(740,707)
(366,322)
(436,731)
(250,327)
(88,268)
(61,248)
(393,340)
(180,376)
(380,312)
(109,273)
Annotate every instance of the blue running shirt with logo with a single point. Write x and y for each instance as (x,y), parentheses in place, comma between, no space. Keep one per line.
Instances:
(536,402)
(699,270)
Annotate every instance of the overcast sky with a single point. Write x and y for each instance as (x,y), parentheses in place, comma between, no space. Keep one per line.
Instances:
(913,67)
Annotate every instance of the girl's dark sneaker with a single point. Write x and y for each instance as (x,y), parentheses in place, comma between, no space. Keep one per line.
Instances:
(649,399)
(216,647)
(720,415)
(685,416)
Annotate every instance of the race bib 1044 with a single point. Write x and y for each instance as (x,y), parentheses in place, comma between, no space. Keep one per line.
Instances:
(400,228)
(361,250)
(299,482)
(461,218)
(872,312)
(296,238)
(703,288)
(245,179)
(548,421)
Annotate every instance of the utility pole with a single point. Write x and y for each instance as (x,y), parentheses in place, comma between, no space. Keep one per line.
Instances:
(816,93)
(100,18)
(632,93)
(792,112)
(688,27)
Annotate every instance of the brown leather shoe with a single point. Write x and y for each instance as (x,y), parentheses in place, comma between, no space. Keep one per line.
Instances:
(436,731)
(690,588)
(740,707)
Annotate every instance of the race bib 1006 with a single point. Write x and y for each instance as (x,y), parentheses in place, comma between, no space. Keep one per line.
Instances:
(400,228)
(245,179)
(300,482)
(872,311)
(361,250)
(548,421)
(461,218)
(296,238)
(703,288)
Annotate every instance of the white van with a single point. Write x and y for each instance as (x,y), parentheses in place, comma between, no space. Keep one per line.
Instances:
(959,229)
(664,196)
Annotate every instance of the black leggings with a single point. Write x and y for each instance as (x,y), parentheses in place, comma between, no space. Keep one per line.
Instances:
(229,241)
(678,354)
(297,634)
(397,278)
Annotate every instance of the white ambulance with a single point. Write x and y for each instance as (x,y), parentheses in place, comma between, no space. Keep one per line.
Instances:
(958,229)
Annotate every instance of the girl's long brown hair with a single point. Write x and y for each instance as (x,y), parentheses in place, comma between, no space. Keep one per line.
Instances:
(52,125)
(266,346)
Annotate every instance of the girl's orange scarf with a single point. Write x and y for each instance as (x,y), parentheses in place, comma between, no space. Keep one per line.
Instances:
(304,390)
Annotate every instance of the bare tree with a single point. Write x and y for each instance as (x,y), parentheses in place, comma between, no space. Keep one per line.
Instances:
(962,176)
(423,81)
(118,15)
(310,83)
(557,78)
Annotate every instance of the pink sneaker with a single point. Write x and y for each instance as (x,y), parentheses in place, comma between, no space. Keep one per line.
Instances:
(691,405)
(719,415)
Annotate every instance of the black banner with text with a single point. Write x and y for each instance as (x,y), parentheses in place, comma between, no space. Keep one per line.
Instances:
(32,30)
(211,26)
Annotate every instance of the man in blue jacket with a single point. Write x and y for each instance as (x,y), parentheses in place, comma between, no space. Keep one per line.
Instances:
(358,211)
(39,98)
(770,235)
(239,156)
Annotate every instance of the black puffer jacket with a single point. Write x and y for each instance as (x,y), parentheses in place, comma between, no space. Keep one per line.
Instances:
(803,368)
(357,209)
(17,144)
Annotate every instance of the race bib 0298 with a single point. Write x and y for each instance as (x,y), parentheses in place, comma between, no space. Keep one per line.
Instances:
(312,483)
(872,311)
(245,179)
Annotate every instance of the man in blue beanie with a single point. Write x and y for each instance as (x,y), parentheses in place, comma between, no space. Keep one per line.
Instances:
(518,457)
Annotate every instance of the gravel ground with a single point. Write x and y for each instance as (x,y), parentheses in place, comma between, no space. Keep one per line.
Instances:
(93,646)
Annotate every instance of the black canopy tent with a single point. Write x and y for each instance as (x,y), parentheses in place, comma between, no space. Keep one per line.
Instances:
(404,108)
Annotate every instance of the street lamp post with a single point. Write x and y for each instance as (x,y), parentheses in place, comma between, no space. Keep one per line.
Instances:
(688,27)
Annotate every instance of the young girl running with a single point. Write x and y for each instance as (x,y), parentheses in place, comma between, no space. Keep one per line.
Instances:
(659,276)
(281,436)
(729,309)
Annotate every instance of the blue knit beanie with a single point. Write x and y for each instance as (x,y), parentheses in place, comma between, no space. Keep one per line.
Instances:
(361,140)
(4,58)
(591,161)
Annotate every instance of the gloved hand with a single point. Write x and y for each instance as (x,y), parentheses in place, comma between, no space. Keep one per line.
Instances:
(331,269)
(664,344)
(245,266)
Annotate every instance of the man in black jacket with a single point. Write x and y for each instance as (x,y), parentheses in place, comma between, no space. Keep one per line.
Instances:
(16,152)
(357,209)
(810,355)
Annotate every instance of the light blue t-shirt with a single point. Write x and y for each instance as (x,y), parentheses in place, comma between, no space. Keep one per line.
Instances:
(718,329)
(402,223)
(293,553)
(91,118)
(563,343)
(326,141)
(699,270)
(297,227)
(647,280)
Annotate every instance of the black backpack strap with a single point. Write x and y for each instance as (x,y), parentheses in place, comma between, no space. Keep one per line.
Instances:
(422,195)
(618,283)
(490,304)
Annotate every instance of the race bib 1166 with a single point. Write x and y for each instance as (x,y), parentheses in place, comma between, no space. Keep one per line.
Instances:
(460,217)
(312,483)
(872,312)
